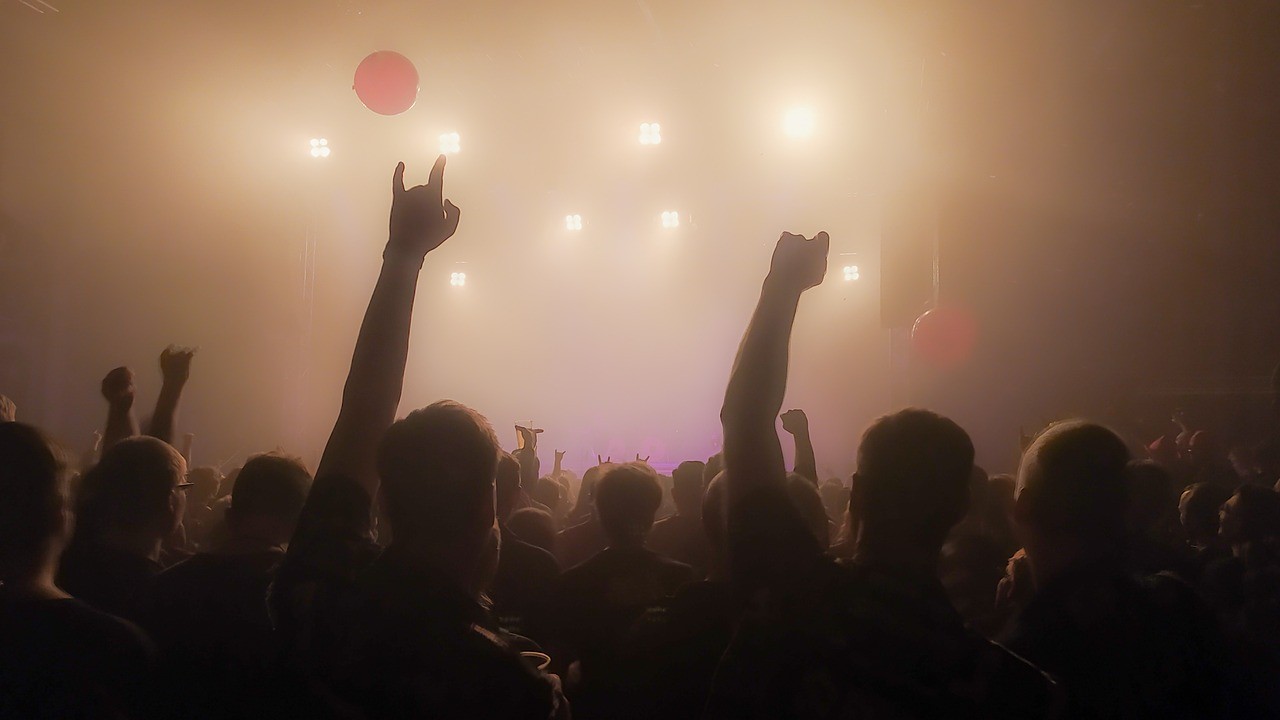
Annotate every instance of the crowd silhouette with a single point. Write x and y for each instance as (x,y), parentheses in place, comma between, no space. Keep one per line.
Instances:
(425,572)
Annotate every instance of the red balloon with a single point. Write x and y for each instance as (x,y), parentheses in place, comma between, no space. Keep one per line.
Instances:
(944,336)
(386,82)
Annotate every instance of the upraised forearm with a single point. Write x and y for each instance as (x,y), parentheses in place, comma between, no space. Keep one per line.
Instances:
(374,383)
(165,416)
(806,461)
(121,424)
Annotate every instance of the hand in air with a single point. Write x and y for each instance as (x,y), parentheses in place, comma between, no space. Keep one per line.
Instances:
(175,364)
(559,455)
(795,422)
(644,459)
(421,220)
(798,263)
(8,411)
(117,387)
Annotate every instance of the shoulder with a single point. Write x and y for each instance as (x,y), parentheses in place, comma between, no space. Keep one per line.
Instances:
(95,626)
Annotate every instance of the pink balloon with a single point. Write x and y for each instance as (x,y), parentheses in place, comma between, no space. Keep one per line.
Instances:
(944,336)
(386,82)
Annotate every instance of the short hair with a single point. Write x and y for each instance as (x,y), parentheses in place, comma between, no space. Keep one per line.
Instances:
(1199,507)
(1257,509)
(914,468)
(627,498)
(688,477)
(33,486)
(437,466)
(714,466)
(809,508)
(131,485)
(271,484)
(548,492)
(534,526)
(1073,482)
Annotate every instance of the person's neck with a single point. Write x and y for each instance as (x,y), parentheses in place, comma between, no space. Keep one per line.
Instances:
(249,544)
(141,544)
(1052,560)
(901,555)
(36,583)
(448,563)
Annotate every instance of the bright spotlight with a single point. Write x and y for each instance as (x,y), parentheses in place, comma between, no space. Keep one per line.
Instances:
(650,133)
(572,222)
(450,143)
(458,279)
(851,272)
(670,219)
(798,122)
(319,148)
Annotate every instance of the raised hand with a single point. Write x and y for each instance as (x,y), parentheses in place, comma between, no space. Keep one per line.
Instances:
(117,387)
(421,220)
(8,411)
(795,422)
(644,459)
(175,364)
(559,456)
(798,263)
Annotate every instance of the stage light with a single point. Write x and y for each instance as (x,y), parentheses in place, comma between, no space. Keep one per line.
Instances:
(450,143)
(650,133)
(670,219)
(319,148)
(851,272)
(798,122)
(572,222)
(458,279)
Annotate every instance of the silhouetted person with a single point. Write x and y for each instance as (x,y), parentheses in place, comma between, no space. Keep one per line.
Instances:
(535,527)
(130,502)
(584,537)
(596,602)
(402,632)
(681,537)
(1124,647)
(59,658)
(877,638)
(209,613)
(526,574)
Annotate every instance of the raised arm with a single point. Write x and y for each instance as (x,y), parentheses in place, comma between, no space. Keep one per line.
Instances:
(175,369)
(796,423)
(767,539)
(420,222)
(117,388)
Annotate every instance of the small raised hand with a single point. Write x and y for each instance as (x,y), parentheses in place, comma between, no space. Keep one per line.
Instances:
(8,411)
(421,220)
(799,263)
(118,388)
(175,364)
(795,422)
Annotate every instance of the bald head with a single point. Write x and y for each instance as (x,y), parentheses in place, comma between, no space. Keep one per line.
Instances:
(1072,483)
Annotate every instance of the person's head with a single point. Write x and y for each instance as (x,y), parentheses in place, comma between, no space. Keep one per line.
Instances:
(137,490)
(912,483)
(268,498)
(1151,499)
(687,487)
(437,468)
(835,499)
(808,504)
(1205,450)
(1251,515)
(205,481)
(547,492)
(35,517)
(1198,511)
(714,466)
(1072,491)
(627,498)
(534,526)
(507,484)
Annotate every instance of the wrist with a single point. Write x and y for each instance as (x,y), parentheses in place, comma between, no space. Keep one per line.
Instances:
(778,289)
